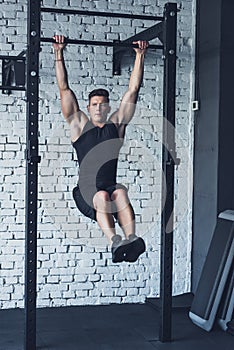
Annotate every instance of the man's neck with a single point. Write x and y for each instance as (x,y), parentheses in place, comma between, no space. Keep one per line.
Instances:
(98,124)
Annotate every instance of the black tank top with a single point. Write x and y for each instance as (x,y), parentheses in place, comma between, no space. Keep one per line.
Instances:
(97,152)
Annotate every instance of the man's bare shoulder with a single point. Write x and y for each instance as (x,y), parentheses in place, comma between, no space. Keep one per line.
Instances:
(77,123)
(114,118)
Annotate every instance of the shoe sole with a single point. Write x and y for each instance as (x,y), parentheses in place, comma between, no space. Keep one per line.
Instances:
(119,254)
(129,251)
(135,249)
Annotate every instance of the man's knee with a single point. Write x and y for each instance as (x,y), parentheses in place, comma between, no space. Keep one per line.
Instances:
(120,194)
(101,199)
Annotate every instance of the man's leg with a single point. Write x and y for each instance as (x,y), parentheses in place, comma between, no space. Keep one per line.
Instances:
(104,216)
(126,216)
(102,205)
(126,219)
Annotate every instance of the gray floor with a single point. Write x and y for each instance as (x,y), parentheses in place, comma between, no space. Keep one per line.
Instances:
(113,327)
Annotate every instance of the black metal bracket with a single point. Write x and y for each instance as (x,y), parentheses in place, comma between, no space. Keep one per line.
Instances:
(31,157)
(172,157)
(13,73)
(121,47)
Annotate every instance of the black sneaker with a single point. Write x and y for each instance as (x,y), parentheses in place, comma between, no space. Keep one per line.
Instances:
(135,247)
(118,249)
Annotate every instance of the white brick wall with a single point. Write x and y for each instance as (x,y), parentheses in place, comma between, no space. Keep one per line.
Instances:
(74,262)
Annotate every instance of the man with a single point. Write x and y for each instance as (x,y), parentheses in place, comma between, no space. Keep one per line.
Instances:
(97,142)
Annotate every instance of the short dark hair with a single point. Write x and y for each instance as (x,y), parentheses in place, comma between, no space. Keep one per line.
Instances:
(99,92)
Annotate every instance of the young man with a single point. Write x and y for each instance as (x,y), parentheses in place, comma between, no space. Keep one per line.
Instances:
(97,141)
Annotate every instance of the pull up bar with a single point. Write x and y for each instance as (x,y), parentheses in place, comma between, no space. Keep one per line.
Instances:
(99,43)
(100,14)
(167,35)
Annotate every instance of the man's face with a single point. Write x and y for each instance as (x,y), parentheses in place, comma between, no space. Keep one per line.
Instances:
(98,109)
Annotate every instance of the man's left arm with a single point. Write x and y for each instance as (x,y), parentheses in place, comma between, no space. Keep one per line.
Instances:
(128,104)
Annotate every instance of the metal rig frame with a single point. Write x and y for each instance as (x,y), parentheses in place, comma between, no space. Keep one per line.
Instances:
(166,31)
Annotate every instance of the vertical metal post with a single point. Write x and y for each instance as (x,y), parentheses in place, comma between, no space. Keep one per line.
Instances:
(32,160)
(168,163)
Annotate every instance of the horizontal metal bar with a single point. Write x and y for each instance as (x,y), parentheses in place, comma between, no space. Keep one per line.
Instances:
(101,14)
(147,34)
(15,58)
(19,88)
(99,43)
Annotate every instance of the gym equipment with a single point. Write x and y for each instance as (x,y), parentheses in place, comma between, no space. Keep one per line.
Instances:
(13,72)
(215,273)
(99,43)
(165,31)
(225,313)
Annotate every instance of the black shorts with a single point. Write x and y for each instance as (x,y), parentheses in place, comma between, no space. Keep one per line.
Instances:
(86,206)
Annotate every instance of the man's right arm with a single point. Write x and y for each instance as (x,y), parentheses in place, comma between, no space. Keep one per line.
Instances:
(69,103)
